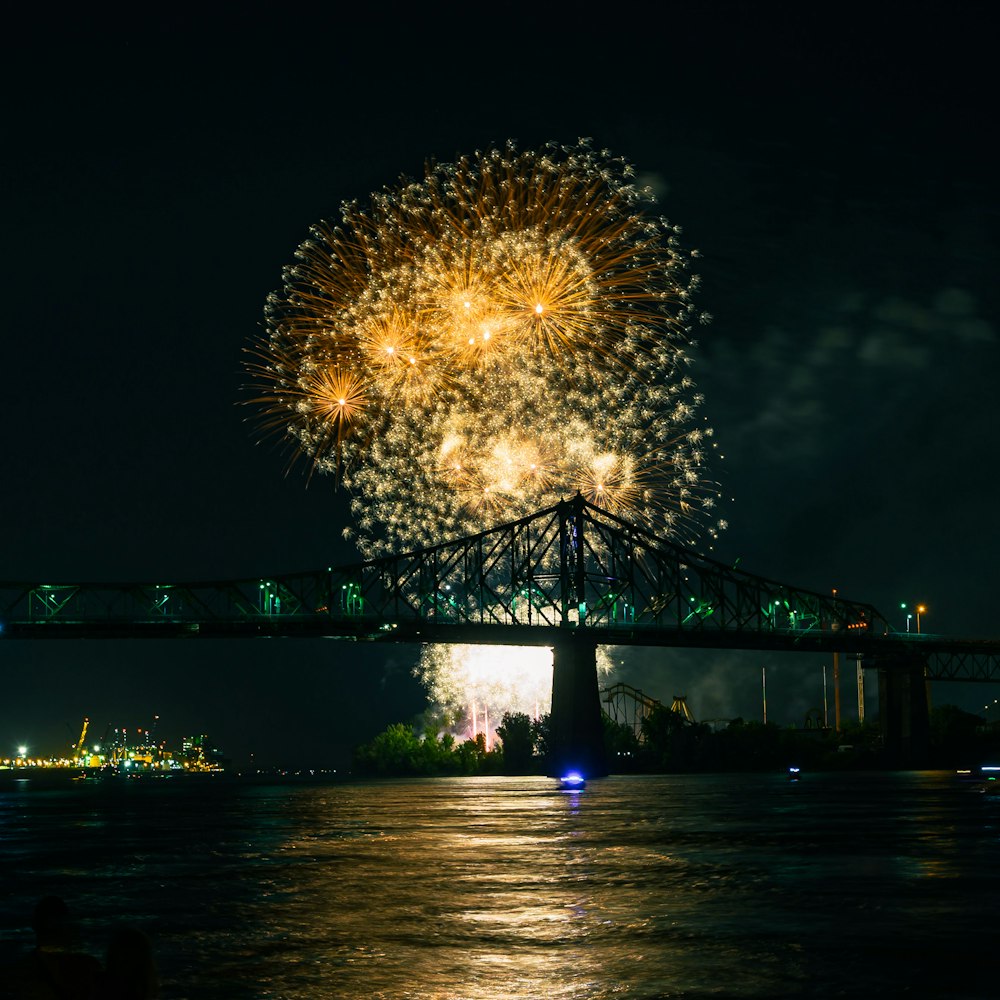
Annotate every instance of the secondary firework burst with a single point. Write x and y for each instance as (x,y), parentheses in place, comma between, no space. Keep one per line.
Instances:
(473,686)
(505,332)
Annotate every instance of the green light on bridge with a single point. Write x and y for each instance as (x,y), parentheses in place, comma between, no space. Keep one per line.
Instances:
(351,599)
(701,609)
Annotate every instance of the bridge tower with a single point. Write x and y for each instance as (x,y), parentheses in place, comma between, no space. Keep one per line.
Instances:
(904,714)
(576,719)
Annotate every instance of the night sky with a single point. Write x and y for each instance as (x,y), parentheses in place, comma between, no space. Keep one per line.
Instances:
(834,165)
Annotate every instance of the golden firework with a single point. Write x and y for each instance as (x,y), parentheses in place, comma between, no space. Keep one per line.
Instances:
(507,331)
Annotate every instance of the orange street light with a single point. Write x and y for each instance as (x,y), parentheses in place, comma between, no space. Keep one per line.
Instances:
(920,609)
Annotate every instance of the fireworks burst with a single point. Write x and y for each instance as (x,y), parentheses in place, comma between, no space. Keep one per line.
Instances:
(490,340)
(474,686)
(480,344)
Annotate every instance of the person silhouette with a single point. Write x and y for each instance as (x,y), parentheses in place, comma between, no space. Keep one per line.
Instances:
(130,971)
(55,970)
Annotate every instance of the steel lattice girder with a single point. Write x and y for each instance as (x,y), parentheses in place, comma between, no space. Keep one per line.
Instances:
(569,566)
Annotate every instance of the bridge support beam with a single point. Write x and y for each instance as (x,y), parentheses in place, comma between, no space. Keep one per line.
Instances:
(904,716)
(577,724)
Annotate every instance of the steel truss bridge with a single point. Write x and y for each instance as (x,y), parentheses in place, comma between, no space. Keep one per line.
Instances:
(571,576)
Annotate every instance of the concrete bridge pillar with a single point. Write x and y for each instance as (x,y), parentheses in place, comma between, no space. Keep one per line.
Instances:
(577,725)
(904,712)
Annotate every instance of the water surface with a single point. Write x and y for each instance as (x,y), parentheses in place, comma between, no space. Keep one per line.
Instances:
(662,886)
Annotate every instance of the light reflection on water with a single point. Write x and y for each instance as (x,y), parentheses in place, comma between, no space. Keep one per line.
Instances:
(680,886)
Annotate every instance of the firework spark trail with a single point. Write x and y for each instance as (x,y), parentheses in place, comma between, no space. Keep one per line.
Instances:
(506,332)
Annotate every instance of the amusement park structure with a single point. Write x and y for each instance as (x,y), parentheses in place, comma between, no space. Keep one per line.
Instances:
(628,706)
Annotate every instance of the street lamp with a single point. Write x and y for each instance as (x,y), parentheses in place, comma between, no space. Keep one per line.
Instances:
(919,609)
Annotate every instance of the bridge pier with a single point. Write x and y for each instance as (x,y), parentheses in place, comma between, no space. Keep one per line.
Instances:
(904,716)
(577,724)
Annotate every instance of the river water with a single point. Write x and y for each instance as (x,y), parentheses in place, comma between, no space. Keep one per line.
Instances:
(850,885)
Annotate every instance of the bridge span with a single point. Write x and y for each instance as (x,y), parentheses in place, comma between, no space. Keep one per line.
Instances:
(571,577)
